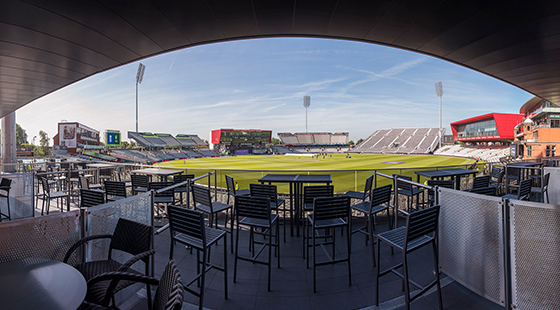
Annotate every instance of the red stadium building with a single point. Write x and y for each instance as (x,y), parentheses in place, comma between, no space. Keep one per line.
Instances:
(240,141)
(492,127)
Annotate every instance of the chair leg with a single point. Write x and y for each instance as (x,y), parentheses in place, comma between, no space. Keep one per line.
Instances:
(225,262)
(171,250)
(436,266)
(236,254)
(269,255)
(8,202)
(377,272)
(314,261)
(349,246)
(278,240)
(372,242)
(203,278)
(405,281)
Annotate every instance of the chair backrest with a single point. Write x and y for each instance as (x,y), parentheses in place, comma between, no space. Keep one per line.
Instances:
(380,195)
(490,190)
(201,195)
(481,181)
(170,290)
(524,189)
(159,185)
(331,208)
(139,180)
(513,172)
(401,184)
(545,181)
(131,237)
(264,190)
(368,186)
(90,198)
(316,191)
(74,174)
(441,183)
(106,172)
(253,207)
(46,187)
(230,185)
(114,188)
(84,182)
(182,178)
(186,221)
(420,223)
(6,183)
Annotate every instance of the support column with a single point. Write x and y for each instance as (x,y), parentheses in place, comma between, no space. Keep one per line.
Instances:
(9,158)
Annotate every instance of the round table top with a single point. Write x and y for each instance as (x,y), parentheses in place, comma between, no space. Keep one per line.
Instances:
(37,283)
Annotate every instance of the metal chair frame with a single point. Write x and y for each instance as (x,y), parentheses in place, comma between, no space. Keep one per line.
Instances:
(5,185)
(361,195)
(276,204)
(232,191)
(183,189)
(309,195)
(90,198)
(187,227)
(420,230)
(255,212)
(202,200)
(329,212)
(48,196)
(379,201)
(114,190)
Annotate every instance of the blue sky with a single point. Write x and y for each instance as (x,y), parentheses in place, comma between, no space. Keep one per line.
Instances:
(259,84)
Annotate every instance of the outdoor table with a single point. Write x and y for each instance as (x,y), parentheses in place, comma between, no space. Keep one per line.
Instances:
(38,283)
(162,173)
(296,182)
(455,174)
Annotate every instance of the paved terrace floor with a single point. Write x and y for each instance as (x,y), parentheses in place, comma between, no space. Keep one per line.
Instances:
(292,283)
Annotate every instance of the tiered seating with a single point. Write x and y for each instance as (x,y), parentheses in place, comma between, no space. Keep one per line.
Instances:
(198,141)
(281,149)
(400,140)
(185,140)
(287,138)
(322,138)
(192,154)
(206,152)
(305,138)
(168,139)
(339,138)
(486,153)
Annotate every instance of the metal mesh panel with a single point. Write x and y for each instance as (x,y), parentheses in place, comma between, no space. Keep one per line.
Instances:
(471,242)
(21,196)
(535,258)
(47,237)
(103,219)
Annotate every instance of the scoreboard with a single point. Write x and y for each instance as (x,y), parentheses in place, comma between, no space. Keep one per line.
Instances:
(112,138)
(234,136)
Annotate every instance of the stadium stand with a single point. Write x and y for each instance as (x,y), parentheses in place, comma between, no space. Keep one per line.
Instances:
(322,138)
(305,138)
(168,139)
(281,149)
(185,140)
(495,153)
(146,139)
(192,154)
(287,138)
(400,140)
(206,152)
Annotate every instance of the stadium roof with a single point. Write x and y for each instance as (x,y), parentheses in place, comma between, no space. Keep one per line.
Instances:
(46,45)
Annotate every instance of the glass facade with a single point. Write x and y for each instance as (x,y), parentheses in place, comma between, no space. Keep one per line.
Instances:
(478,129)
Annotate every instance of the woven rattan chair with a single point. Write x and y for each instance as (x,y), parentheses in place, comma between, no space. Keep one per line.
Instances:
(255,212)
(420,230)
(130,237)
(329,212)
(379,199)
(187,227)
(169,294)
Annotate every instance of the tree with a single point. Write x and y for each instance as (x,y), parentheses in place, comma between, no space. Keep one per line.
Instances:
(359,141)
(350,142)
(125,145)
(21,136)
(275,141)
(43,149)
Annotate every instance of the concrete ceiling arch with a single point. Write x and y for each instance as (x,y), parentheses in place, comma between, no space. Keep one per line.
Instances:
(46,45)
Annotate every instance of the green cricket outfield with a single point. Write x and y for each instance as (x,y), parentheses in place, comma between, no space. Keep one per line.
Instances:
(347,173)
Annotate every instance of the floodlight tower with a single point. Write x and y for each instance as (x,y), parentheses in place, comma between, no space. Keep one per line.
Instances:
(139,77)
(439,93)
(306,104)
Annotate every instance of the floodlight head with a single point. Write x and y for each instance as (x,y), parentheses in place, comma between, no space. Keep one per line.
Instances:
(439,89)
(140,73)
(306,101)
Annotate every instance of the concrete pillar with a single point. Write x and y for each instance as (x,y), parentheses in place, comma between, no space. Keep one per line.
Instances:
(9,158)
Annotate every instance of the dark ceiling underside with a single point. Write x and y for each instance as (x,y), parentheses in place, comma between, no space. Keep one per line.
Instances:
(46,45)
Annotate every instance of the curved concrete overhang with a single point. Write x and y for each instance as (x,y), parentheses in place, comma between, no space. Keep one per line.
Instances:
(46,45)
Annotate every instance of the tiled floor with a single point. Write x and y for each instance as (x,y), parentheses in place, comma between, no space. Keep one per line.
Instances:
(292,283)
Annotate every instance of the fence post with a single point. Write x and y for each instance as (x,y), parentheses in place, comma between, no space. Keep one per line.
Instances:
(396,201)
(507,247)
